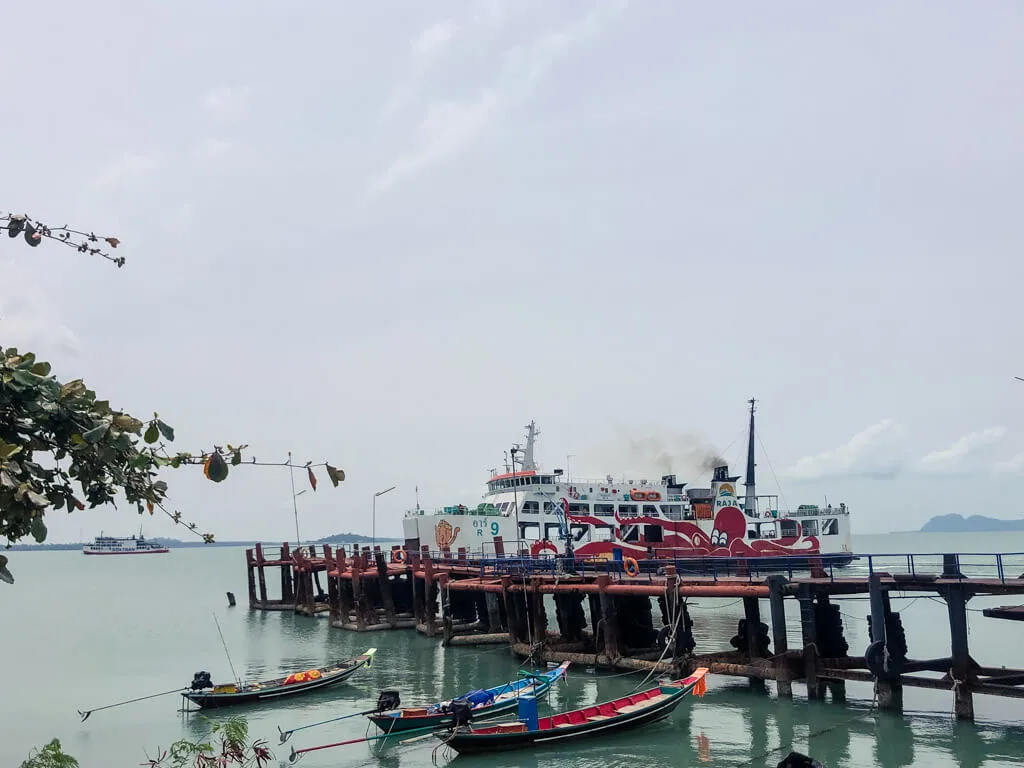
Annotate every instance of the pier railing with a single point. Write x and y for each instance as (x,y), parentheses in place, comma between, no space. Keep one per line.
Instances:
(999,567)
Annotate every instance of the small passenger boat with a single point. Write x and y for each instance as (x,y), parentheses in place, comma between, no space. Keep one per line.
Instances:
(599,719)
(207,695)
(482,703)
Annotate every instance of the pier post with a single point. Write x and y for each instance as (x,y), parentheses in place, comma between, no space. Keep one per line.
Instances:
(429,597)
(333,584)
(511,615)
(359,591)
(250,569)
(538,616)
(888,687)
(287,583)
(808,630)
(260,560)
(446,610)
(777,604)
(386,597)
(493,613)
(609,621)
(957,596)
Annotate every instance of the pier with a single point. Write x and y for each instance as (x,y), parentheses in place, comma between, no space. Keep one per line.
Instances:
(607,617)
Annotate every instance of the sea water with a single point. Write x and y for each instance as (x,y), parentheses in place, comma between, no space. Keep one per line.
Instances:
(81,632)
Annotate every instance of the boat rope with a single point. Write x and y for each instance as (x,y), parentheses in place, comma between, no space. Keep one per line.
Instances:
(669,643)
(764,450)
(442,745)
(85,714)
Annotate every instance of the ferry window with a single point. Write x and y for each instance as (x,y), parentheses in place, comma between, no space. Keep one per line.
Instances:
(829,527)
(578,532)
(579,509)
(810,527)
(604,510)
(531,508)
(788,529)
(752,532)
(627,510)
(630,533)
(672,511)
(530,532)
(652,534)
(650,510)
(551,532)
(601,533)
(768,531)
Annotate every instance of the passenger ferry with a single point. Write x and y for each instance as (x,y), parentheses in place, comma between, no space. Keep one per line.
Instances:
(109,545)
(544,513)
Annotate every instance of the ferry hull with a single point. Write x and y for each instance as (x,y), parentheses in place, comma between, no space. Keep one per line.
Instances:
(161,551)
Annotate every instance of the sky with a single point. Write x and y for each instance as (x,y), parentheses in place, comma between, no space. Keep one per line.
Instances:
(388,235)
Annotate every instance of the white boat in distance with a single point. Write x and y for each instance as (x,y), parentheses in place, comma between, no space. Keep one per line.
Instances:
(134,545)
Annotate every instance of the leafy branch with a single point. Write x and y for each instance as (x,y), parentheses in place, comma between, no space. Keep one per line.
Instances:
(232,748)
(34,231)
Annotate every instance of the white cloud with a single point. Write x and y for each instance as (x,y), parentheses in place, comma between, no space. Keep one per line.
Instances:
(874,451)
(30,318)
(432,41)
(1012,465)
(226,103)
(211,149)
(951,457)
(450,126)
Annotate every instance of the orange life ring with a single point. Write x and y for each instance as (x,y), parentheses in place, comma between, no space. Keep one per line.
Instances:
(631,566)
(398,555)
(653,496)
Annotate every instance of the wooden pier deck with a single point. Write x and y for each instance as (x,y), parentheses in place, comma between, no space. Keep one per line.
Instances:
(608,618)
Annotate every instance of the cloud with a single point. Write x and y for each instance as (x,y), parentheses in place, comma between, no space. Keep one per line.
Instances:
(1012,465)
(225,104)
(876,451)
(30,318)
(448,126)
(951,458)
(432,41)
(211,149)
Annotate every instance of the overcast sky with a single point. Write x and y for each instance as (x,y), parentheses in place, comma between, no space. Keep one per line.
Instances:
(390,234)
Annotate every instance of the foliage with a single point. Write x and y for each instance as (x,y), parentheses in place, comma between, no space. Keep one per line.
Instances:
(50,756)
(88,442)
(55,435)
(228,745)
(34,231)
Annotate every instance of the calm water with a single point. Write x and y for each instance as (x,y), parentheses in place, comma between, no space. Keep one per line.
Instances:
(81,632)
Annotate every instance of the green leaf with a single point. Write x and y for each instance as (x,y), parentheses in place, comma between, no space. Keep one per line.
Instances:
(37,499)
(127,423)
(216,468)
(165,430)
(74,388)
(26,377)
(96,434)
(7,450)
(38,529)
(152,433)
(7,481)
(236,458)
(41,369)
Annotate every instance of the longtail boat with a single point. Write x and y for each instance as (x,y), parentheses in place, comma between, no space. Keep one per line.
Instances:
(483,703)
(599,719)
(207,695)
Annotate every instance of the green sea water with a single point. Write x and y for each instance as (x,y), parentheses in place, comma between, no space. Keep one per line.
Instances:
(80,632)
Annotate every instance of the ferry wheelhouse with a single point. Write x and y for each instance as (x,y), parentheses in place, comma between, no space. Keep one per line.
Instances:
(546,513)
(110,545)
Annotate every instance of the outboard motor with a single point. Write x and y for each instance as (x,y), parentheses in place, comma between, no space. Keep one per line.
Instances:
(462,713)
(201,680)
(388,700)
(796,760)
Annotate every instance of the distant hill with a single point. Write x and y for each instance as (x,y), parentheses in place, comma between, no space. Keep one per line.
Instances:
(348,538)
(974,524)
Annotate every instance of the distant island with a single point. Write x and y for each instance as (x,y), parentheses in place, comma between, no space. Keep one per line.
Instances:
(336,538)
(955,523)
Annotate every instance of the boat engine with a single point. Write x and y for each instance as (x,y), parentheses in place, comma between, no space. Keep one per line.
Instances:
(462,713)
(388,700)
(796,760)
(201,680)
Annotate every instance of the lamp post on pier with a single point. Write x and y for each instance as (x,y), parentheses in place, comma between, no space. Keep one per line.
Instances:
(378,493)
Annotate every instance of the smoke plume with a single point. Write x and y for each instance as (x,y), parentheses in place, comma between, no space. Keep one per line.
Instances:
(688,456)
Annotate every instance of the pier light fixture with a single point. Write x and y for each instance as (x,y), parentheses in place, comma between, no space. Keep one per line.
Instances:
(378,493)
